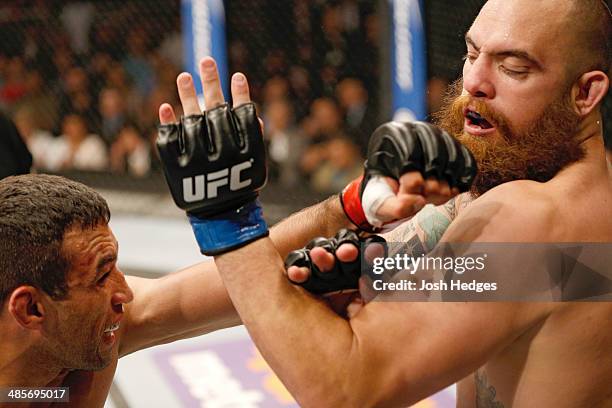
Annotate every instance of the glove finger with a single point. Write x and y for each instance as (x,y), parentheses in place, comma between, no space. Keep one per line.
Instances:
(324,259)
(455,164)
(469,171)
(220,127)
(301,259)
(346,235)
(394,150)
(249,129)
(320,242)
(435,156)
(167,142)
(194,136)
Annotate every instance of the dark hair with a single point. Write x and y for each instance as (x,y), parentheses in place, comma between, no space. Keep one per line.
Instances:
(35,212)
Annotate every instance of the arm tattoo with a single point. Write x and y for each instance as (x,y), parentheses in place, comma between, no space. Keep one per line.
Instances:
(485,393)
(433,224)
(414,247)
(450,207)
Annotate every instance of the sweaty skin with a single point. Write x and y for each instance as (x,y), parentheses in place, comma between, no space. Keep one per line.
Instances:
(508,354)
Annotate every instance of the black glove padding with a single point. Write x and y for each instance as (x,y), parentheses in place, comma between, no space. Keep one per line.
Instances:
(396,148)
(344,275)
(214,162)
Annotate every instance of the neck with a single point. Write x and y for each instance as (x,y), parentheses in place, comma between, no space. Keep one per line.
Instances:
(594,163)
(22,363)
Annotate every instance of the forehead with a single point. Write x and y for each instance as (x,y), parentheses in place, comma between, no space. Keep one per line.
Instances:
(539,27)
(85,248)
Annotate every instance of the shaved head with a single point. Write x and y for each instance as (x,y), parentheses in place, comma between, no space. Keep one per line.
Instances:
(591,23)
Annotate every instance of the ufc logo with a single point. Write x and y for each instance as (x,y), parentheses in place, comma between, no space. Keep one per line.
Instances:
(207,186)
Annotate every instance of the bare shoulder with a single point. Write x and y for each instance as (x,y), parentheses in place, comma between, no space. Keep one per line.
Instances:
(519,211)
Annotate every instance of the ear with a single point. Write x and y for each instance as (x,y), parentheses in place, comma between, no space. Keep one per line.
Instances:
(589,91)
(26,306)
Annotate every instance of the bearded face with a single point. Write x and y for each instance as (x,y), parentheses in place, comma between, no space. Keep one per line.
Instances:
(538,153)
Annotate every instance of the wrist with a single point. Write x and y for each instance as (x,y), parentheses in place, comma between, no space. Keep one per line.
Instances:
(332,210)
(230,229)
(350,201)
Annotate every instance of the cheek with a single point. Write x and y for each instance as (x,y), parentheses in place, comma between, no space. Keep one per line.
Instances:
(522,114)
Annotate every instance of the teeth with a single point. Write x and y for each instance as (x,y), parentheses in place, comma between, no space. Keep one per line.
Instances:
(112,328)
(474,115)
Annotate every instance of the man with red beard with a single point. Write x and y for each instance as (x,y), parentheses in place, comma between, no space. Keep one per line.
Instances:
(529,108)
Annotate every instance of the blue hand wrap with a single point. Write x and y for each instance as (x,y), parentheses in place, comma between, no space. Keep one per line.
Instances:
(229,230)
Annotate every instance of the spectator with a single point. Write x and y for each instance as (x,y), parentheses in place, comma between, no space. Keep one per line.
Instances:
(285,143)
(113,114)
(341,163)
(130,152)
(136,63)
(76,96)
(39,100)
(276,88)
(324,121)
(76,148)
(77,18)
(38,141)
(14,85)
(360,117)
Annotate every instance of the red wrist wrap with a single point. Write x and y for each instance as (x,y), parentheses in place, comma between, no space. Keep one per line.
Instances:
(351,204)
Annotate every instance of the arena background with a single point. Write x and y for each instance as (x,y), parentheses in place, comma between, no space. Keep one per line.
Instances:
(69,68)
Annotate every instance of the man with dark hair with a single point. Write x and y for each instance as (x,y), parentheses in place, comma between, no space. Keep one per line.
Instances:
(528,106)
(68,313)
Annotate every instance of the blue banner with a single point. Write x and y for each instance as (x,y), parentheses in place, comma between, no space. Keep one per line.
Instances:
(408,60)
(204,35)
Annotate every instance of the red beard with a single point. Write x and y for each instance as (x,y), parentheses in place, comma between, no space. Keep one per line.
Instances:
(537,154)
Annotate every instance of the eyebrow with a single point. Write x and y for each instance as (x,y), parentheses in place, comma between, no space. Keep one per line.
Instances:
(106,260)
(517,53)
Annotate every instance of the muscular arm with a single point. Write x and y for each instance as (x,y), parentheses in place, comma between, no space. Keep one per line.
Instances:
(389,353)
(194,301)
(423,231)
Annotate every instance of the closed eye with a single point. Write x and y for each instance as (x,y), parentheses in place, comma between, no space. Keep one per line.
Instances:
(469,57)
(511,72)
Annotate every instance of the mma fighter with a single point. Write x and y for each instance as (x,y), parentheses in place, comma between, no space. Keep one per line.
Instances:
(533,80)
(68,313)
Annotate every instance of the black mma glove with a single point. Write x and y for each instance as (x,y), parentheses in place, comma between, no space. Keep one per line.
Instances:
(396,148)
(215,164)
(344,275)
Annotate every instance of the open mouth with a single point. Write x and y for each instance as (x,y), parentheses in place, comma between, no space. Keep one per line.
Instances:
(112,328)
(474,119)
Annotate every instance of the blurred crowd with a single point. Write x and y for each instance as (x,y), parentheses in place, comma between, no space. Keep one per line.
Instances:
(82,81)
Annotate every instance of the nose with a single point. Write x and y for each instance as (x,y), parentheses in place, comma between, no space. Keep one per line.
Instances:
(123,294)
(477,78)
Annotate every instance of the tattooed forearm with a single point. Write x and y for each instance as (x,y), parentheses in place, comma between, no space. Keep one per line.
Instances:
(485,393)
(451,208)
(433,223)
